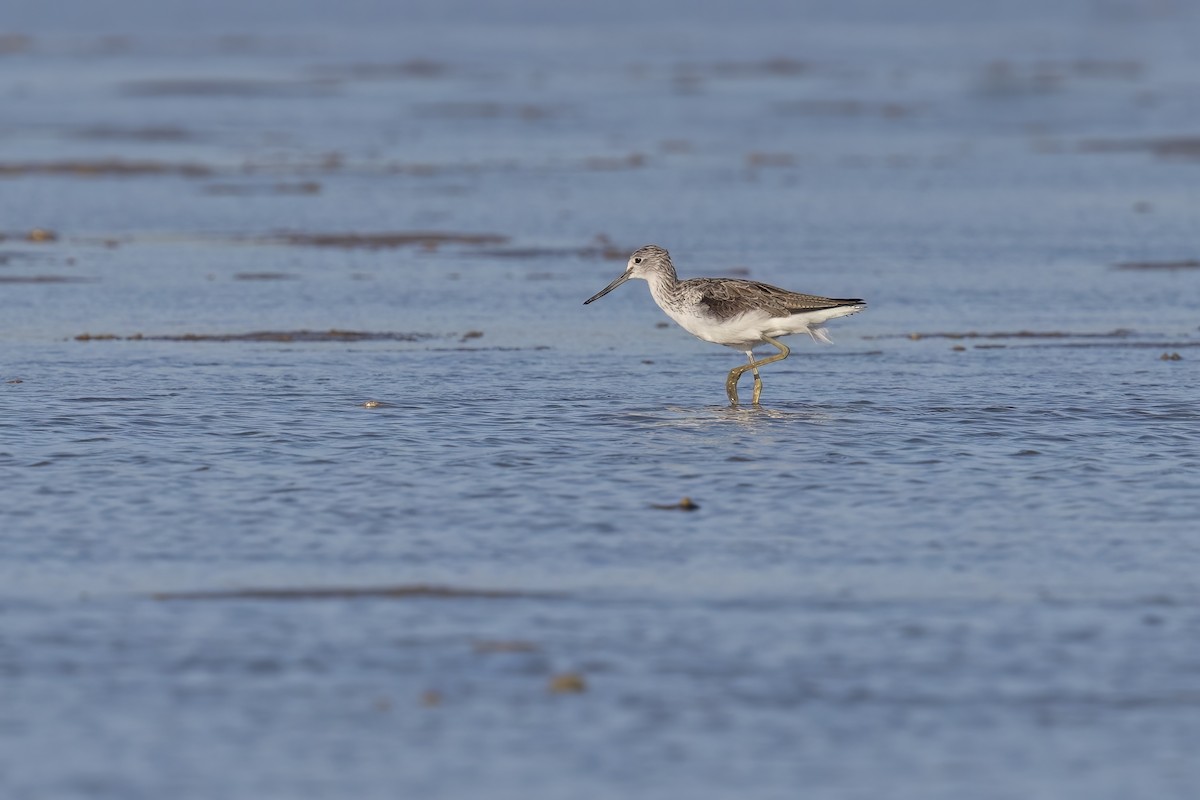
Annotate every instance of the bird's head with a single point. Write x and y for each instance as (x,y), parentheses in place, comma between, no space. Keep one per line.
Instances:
(644,262)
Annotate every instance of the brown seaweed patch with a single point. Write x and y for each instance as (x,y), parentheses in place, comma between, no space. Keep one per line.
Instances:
(1167,147)
(34,235)
(430,240)
(263,276)
(779,67)
(102,168)
(487,110)
(1118,333)
(44,279)
(601,247)
(412,68)
(503,646)
(534,348)
(1127,345)
(1045,76)
(227,87)
(403,591)
(609,163)
(847,109)
(333,335)
(605,251)
(11,43)
(146,133)
(676,146)
(1118,338)
(757,159)
(247,190)
(1170,266)
(1106,68)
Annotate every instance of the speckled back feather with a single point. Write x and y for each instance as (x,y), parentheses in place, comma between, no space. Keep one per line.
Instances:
(728,297)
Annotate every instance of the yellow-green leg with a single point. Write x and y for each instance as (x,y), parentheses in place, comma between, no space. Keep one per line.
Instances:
(757,382)
(737,372)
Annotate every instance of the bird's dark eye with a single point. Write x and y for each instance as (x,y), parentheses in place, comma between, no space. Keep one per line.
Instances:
(637,261)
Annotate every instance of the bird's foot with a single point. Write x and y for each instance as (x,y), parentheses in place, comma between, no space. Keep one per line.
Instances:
(731,387)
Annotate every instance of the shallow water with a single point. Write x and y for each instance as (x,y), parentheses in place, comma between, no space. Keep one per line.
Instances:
(952,555)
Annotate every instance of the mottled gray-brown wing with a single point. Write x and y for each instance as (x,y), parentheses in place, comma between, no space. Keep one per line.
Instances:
(729,297)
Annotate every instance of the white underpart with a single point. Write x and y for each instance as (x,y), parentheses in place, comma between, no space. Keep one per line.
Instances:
(746,330)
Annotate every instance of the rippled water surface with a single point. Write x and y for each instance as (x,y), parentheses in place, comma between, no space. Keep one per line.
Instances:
(318,480)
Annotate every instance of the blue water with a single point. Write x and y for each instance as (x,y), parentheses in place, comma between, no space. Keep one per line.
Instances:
(953,555)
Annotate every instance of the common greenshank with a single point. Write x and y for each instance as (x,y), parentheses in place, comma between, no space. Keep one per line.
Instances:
(732,312)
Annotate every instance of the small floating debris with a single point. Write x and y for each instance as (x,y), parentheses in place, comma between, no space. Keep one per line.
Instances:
(372,404)
(471,335)
(567,683)
(431,698)
(42,235)
(403,591)
(1170,357)
(685,504)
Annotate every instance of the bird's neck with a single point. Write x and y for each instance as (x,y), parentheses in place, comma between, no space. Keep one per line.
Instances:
(663,283)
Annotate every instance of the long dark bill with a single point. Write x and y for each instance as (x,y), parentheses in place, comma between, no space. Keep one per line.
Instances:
(621,279)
